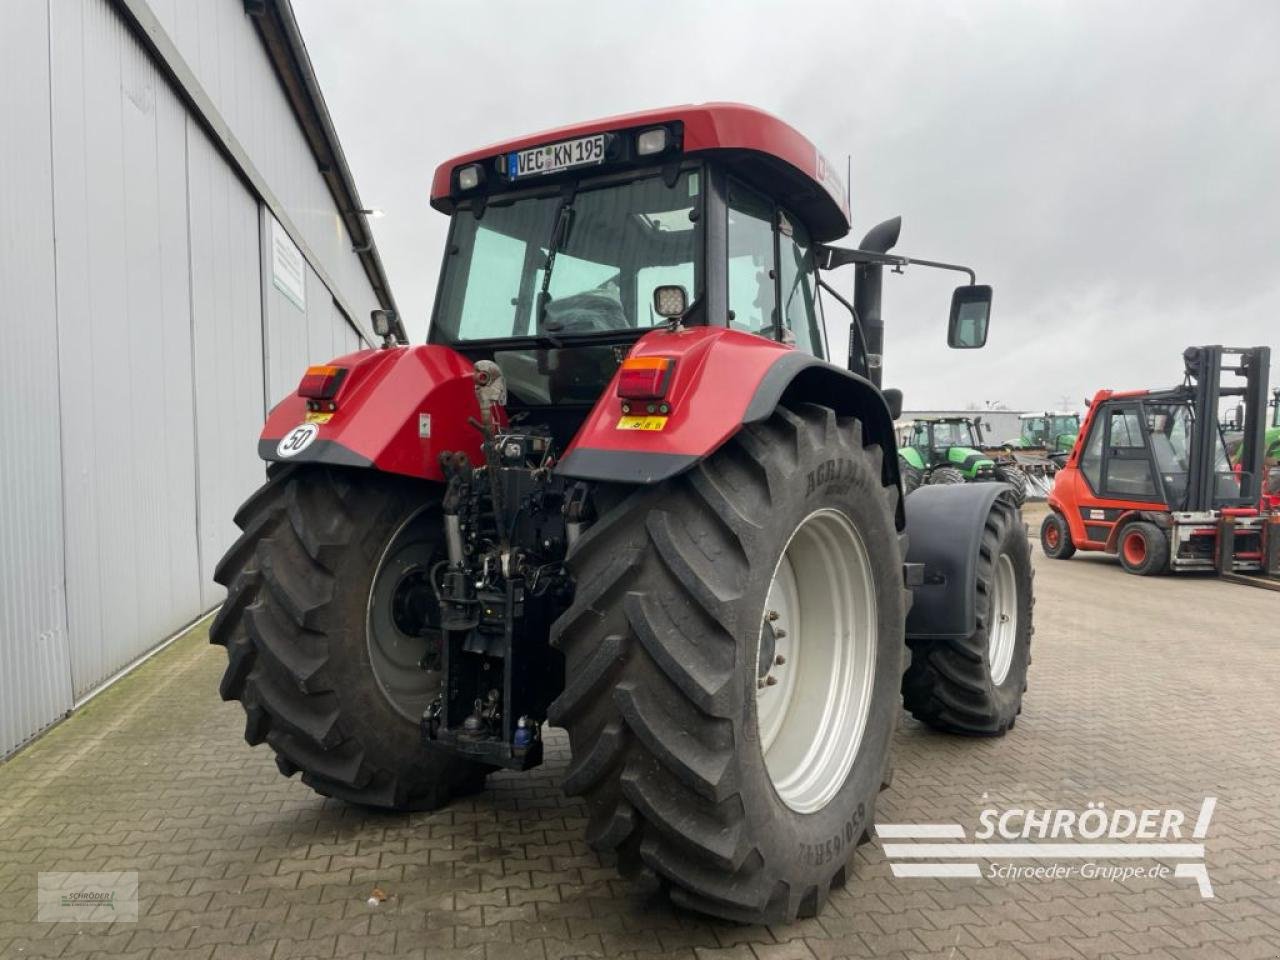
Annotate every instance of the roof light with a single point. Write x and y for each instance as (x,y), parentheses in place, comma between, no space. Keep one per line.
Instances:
(321,383)
(470,176)
(645,378)
(651,141)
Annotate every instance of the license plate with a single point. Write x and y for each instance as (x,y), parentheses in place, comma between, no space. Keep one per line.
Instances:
(555,157)
(641,423)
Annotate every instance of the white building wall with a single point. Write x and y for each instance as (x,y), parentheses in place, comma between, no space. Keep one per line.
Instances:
(220,45)
(35,673)
(144,340)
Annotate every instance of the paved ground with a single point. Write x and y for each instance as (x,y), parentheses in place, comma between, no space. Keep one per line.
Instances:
(1148,693)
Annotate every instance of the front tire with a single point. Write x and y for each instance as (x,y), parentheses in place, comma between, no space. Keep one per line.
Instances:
(946,475)
(911,476)
(1143,549)
(1055,538)
(974,686)
(1017,481)
(326,680)
(669,645)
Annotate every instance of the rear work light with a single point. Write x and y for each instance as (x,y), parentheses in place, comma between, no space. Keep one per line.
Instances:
(321,383)
(652,141)
(645,379)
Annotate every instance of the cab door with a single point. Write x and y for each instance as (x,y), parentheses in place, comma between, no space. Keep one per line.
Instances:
(1114,474)
(1127,471)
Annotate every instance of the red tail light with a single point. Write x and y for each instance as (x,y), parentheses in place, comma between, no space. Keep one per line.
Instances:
(321,383)
(645,378)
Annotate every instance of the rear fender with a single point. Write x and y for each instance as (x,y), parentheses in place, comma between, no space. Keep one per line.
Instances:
(397,410)
(722,380)
(1161,520)
(944,532)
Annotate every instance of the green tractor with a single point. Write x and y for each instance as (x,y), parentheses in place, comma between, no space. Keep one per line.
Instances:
(946,450)
(1052,432)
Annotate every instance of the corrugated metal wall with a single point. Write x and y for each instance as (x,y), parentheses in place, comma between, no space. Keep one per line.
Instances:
(226,317)
(35,674)
(120,180)
(220,45)
(143,349)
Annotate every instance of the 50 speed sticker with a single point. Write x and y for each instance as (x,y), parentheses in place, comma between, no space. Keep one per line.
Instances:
(297,440)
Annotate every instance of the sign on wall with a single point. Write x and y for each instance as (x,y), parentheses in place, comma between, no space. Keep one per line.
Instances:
(288,269)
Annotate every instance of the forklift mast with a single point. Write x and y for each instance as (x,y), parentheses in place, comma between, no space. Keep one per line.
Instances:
(1205,367)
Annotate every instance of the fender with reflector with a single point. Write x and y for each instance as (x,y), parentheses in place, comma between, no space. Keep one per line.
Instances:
(682,393)
(394,410)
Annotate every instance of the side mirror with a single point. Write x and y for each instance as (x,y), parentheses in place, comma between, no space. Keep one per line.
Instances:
(970,313)
(893,398)
(670,301)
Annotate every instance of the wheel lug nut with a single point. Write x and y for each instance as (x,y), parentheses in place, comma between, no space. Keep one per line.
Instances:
(779,633)
(771,615)
(770,680)
(779,660)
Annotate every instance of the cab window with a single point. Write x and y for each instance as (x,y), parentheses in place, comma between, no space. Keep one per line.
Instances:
(1091,461)
(801,314)
(752,288)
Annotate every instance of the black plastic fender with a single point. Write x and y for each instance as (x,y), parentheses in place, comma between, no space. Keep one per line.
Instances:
(944,531)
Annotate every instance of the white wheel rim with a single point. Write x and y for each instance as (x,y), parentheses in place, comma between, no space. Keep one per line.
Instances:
(1002,634)
(812,707)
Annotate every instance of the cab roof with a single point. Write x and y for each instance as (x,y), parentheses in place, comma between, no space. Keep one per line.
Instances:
(766,152)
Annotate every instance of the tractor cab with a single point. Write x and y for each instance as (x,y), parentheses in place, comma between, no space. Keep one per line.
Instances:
(1054,432)
(953,443)
(568,247)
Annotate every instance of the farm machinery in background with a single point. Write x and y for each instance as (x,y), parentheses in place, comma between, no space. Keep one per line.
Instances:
(622,490)
(1047,434)
(950,450)
(1151,478)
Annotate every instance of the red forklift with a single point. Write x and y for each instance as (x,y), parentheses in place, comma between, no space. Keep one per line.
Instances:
(1149,478)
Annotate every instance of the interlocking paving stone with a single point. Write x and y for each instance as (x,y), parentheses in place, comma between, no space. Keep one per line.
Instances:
(1143,693)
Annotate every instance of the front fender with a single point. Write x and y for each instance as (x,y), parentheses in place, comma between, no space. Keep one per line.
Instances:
(397,410)
(722,380)
(945,523)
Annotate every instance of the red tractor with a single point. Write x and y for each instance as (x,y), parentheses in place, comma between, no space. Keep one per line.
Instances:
(1150,478)
(622,490)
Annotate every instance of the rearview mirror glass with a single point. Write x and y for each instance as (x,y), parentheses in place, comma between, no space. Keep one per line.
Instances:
(970,313)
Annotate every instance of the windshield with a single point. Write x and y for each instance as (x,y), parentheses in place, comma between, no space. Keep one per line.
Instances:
(1065,425)
(613,244)
(1169,425)
(953,434)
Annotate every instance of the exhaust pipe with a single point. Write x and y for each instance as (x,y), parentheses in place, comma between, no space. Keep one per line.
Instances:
(867,282)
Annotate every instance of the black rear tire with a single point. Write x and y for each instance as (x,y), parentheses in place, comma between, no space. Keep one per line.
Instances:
(1143,549)
(949,684)
(660,647)
(945,475)
(1055,538)
(295,628)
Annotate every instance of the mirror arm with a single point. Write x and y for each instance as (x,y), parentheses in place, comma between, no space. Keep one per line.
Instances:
(832,257)
(857,321)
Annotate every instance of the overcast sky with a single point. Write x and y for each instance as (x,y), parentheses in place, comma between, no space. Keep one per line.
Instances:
(1112,169)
